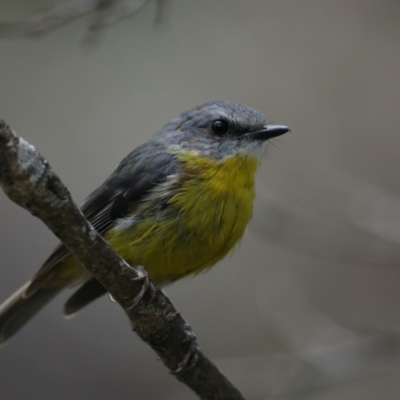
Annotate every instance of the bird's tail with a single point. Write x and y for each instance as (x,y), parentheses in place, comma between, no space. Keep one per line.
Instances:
(17,310)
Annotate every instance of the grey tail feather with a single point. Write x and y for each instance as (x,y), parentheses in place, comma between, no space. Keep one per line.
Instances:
(17,310)
(88,292)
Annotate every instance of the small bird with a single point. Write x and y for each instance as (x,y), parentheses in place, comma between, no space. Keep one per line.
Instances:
(175,205)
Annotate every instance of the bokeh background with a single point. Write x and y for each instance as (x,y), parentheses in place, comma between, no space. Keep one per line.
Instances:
(307,307)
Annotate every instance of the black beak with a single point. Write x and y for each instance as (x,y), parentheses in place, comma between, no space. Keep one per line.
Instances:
(269,132)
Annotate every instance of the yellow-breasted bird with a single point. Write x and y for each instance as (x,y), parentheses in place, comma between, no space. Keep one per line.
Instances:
(175,205)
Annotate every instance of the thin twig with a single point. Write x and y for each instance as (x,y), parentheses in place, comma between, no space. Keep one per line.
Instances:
(101,13)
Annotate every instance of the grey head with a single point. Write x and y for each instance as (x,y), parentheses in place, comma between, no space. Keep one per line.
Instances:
(219,129)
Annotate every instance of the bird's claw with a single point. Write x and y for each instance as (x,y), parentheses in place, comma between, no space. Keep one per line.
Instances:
(147,287)
(192,356)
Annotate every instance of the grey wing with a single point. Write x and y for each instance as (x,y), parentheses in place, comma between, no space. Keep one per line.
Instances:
(117,197)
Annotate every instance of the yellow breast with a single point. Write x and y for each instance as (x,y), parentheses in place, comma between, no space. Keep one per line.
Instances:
(207,215)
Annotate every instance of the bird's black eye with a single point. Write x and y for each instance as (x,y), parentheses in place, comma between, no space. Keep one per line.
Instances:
(219,127)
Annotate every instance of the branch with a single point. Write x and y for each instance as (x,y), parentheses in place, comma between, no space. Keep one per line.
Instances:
(102,13)
(28,180)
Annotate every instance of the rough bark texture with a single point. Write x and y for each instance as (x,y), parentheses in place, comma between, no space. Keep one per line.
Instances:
(28,180)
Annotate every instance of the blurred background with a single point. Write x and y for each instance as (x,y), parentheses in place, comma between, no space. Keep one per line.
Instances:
(307,307)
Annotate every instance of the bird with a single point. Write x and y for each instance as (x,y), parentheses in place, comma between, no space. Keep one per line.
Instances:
(176,205)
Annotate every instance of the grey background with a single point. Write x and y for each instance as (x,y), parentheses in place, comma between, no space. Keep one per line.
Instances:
(307,307)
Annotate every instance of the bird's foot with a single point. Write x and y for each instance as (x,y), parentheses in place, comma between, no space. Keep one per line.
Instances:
(147,287)
(192,356)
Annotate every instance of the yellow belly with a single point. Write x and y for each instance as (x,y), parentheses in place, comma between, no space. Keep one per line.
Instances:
(205,218)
